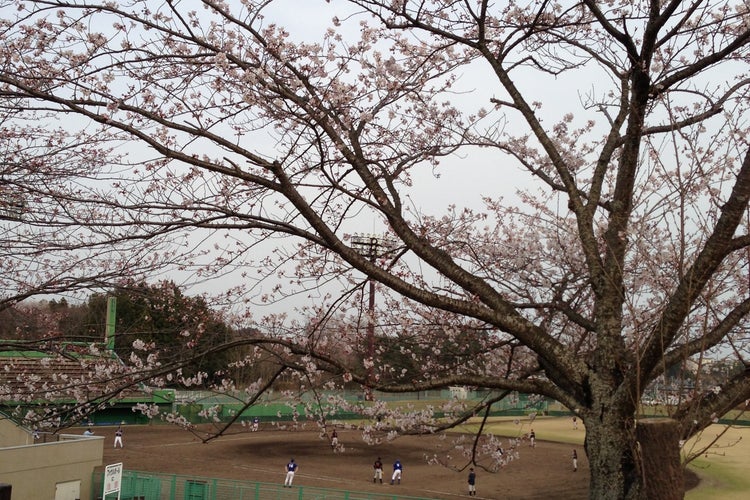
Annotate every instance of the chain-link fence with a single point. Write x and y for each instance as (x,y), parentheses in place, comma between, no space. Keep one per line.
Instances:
(153,486)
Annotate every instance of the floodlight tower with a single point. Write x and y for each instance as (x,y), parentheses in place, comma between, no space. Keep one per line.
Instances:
(371,246)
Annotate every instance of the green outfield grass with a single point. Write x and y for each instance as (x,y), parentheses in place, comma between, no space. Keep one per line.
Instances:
(723,470)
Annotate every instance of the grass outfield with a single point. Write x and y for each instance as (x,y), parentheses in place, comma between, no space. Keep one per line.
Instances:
(723,470)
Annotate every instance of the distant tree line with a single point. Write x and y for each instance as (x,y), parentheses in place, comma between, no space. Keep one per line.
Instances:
(179,325)
(159,314)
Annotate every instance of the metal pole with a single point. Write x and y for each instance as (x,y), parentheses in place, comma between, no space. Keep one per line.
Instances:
(370,340)
(369,246)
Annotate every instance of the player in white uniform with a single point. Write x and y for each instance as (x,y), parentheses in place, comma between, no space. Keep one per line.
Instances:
(334,440)
(118,437)
(378,467)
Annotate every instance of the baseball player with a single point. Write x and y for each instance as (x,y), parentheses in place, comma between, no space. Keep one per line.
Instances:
(118,436)
(334,440)
(575,460)
(378,466)
(256,422)
(397,469)
(472,482)
(291,468)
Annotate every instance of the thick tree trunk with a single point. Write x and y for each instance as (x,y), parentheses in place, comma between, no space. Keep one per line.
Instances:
(634,463)
(662,478)
(609,448)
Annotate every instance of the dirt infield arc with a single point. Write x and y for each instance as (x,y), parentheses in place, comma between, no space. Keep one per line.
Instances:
(541,472)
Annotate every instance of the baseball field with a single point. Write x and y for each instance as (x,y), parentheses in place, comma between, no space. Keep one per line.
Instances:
(540,472)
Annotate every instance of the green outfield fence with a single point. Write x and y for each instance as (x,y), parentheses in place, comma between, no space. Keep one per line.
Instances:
(191,405)
(154,486)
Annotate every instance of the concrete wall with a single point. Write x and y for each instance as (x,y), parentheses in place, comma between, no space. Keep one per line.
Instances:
(34,470)
(13,435)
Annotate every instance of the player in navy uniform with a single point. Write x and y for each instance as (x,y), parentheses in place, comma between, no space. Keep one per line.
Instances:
(397,469)
(291,468)
(472,482)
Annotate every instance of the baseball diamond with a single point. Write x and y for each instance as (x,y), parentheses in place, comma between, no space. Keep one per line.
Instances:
(262,456)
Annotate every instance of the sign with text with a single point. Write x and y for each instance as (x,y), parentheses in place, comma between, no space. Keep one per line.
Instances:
(112,479)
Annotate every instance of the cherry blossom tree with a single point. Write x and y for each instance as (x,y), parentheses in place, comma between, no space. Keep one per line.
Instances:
(204,139)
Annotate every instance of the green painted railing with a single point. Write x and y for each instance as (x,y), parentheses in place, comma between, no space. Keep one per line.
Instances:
(153,486)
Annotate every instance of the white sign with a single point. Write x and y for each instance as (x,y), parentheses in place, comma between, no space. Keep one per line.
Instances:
(112,479)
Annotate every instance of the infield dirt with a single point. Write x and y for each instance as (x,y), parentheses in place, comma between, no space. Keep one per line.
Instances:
(544,471)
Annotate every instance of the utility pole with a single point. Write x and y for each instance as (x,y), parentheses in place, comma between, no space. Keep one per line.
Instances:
(372,247)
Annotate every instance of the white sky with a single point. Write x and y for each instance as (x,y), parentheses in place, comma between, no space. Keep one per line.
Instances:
(462,180)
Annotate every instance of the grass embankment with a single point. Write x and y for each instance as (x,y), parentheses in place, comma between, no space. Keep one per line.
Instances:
(723,469)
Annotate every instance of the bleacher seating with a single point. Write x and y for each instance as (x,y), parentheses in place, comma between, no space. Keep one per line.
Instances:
(36,376)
